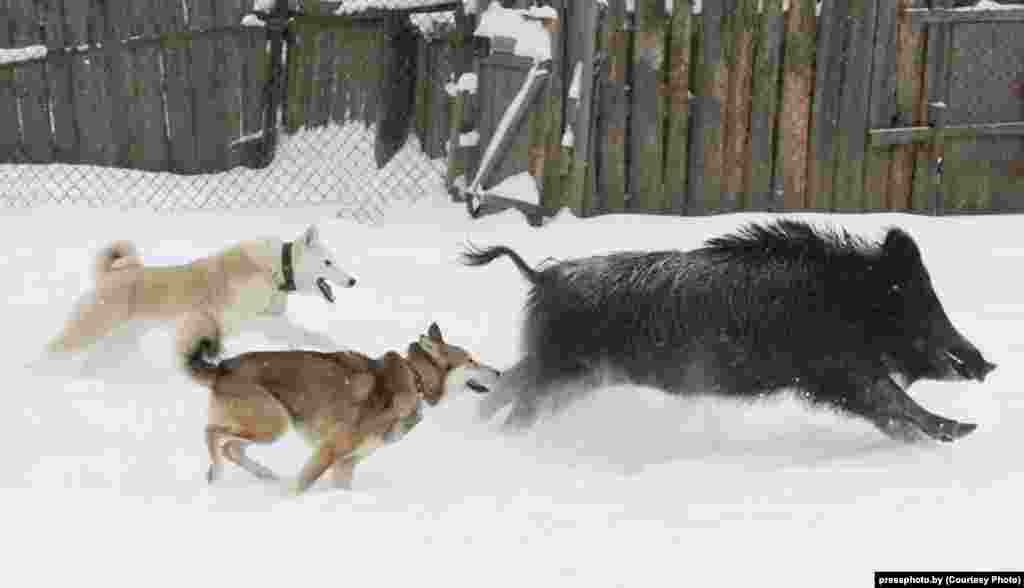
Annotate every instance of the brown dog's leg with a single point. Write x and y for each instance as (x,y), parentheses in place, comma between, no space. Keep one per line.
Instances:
(343,471)
(323,458)
(223,442)
(234,450)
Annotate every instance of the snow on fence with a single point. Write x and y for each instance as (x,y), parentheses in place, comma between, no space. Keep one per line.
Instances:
(764,105)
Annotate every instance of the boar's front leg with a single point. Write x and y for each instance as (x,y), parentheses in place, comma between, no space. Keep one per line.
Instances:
(886,405)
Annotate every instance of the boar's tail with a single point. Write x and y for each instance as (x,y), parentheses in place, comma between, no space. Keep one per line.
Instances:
(473,257)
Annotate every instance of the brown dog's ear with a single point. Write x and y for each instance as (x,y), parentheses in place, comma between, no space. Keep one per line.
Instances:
(435,332)
(431,347)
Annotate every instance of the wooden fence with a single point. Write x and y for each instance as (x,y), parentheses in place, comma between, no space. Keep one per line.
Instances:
(147,85)
(180,86)
(370,67)
(750,106)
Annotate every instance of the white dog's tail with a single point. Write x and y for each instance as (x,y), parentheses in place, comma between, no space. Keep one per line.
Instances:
(198,339)
(120,253)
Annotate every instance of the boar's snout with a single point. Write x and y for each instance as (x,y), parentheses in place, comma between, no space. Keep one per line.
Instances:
(967,362)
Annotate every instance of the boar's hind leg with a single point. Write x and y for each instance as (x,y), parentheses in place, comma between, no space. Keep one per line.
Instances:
(894,412)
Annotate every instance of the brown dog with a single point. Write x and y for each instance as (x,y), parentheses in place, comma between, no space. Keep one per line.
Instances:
(345,404)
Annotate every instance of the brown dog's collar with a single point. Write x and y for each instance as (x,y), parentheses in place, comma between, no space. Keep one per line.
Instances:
(287,269)
(421,386)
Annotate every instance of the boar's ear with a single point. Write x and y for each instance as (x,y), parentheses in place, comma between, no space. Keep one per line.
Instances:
(899,245)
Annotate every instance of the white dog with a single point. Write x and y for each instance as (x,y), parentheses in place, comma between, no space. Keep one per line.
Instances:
(244,287)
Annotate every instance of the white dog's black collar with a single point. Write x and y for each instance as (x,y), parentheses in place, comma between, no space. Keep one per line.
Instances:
(286,269)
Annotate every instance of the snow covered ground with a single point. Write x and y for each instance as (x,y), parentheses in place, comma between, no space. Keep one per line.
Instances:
(103,480)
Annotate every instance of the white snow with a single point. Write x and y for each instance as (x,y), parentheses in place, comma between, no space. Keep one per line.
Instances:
(521,186)
(353,6)
(432,23)
(264,5)
(22,53)
(251,20)
(990,5)
(469,139)
(346,175)
(526,26)
(104,479)
(574,85)
(467,82)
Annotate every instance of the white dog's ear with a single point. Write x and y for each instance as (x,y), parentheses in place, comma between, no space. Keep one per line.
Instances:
(311,236)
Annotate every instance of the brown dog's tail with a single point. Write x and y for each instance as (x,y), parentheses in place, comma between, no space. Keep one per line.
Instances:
(122,253)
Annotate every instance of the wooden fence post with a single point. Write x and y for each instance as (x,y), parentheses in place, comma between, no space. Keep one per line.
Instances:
(853,116)
(552,106)
(30,81)
(677,153)
(647,129)
(883,105)
(708,159)
(586,15)
(910,104)
(764,119)
(825,116)
(791,156)
(614,110)
(937,71)
(737,118)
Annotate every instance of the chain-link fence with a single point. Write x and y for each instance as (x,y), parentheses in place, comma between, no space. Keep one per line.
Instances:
(354,114)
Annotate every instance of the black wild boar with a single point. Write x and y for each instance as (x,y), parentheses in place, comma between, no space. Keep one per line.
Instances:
(845,321)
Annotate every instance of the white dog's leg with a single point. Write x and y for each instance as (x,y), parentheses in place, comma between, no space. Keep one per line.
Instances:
(280,329)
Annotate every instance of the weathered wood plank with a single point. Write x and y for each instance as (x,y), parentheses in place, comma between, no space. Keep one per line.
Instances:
(440,57)
(31,84)
(551,102)
(180,103)
(342,73)
(59,79)
(577,198)
(792,154)
(852,128)
(825,115)
(737,121)
(707,182)
(647,131)
(910,99)
(97,21)
(125,86)
(922,16)
(212,147)
(937,68)
(11,139)
(256,72)
(397,88)
(765,109)
(149,151)
(678,125)
(882,107)
(909,135)
(614,110)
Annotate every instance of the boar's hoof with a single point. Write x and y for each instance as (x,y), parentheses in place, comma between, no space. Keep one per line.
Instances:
(947,430)
(936,427)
